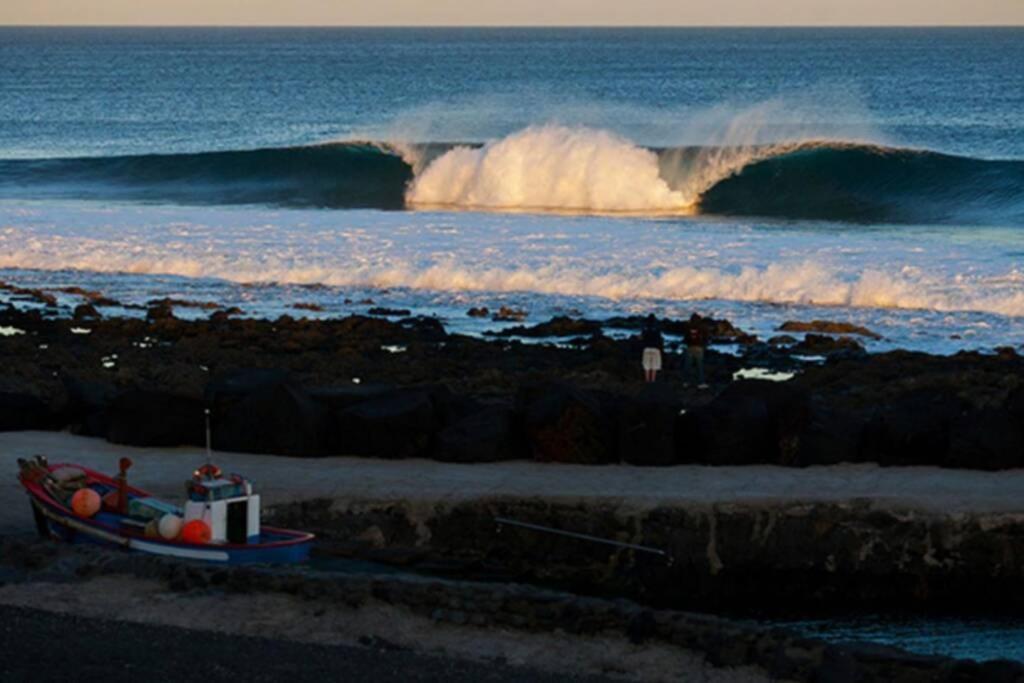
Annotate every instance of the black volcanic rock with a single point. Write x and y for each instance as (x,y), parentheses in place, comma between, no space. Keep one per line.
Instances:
(24,411)
(828,327)
(86,404)
(559,326)
(262,411)
(646,426)
(152,418)
(484,436)
(752,421)
(565,424)
(85,312)
(400,424)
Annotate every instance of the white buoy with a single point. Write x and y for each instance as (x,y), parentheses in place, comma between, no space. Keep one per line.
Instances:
(170,526)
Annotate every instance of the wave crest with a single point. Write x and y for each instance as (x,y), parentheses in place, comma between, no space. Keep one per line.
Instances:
(549,168)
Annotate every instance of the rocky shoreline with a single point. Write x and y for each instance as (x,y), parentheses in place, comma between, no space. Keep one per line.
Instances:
(374,386)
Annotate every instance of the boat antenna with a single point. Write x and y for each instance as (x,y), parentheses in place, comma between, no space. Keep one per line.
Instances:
(209,453)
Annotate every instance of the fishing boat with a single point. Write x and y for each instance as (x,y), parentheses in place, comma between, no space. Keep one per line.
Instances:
(220,521)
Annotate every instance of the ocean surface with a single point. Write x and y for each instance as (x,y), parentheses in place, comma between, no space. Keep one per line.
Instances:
(871,175)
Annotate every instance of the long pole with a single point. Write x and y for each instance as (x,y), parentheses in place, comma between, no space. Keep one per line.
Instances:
(209,449)
(504,521)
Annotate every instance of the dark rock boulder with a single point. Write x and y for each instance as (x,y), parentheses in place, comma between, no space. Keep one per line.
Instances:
(484,436)
(646,426)
(239,383)
(336,399)
(153,418)
(565,424)
(831,435)
(913,428)
(400,424)
(559,326)
(85,406)
(424,328)
(262,411)
(823,345)
(988,439)
(828,327)
(752,421)
(509,314)
(85,312)
(20,411)
(160,310)
(389,312)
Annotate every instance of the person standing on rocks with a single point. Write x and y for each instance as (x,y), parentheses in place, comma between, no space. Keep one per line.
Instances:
(696,343)
(653,345)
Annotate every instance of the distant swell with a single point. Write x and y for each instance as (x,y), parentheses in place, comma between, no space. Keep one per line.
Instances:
(344,175)
(871,184)
(554,168)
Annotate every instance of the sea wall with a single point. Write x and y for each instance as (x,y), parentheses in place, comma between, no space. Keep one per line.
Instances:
(773,557)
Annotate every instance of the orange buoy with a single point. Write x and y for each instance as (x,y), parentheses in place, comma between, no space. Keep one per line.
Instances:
(196,531)
(85,502)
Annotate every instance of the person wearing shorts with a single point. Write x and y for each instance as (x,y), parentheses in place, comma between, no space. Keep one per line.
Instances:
(653,344)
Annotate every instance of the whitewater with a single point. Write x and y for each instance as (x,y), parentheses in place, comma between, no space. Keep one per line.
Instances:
(913,287)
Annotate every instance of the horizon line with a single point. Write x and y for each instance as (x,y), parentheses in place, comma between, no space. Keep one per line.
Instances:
(515,26)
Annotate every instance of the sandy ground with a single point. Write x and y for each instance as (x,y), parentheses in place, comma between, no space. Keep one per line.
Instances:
(283,617)
(163,471)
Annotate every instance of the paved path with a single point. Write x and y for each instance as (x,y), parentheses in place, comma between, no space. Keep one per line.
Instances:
(164,470)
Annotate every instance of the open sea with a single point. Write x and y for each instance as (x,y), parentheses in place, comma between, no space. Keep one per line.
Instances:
(870,175)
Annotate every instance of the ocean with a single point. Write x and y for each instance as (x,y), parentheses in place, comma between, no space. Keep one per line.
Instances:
(869,175)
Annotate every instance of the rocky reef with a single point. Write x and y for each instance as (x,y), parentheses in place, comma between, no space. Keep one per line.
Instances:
(371,386)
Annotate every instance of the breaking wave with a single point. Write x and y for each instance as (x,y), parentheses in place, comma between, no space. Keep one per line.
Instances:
(556,168)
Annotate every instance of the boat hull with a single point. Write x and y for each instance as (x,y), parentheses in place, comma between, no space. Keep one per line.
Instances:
(275,546)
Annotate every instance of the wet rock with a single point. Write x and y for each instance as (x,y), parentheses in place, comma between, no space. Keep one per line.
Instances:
(225,314)
(823,345)
(85,312)
(308,307)
(26,294)
(481,312)
(782,340)
(425,328)
(160,310)
(389,312)
(508,314)
(182,303)
(152,418)
(828,327)
(565,424)
(93,297)
(484,436)
(24,411)
(559,326)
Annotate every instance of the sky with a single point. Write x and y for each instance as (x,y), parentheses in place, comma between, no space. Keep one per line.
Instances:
(513,12)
